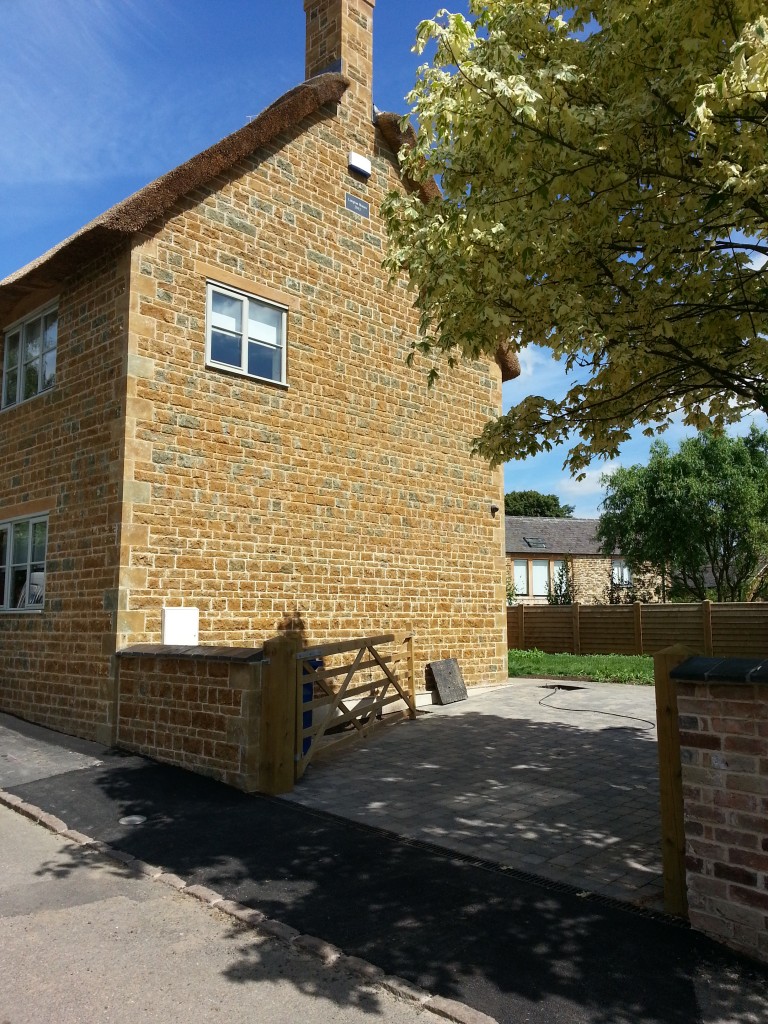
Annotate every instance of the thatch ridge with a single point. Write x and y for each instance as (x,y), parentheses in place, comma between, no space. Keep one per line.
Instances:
(155,199)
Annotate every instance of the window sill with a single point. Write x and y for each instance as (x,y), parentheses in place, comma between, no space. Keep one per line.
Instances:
(231,372)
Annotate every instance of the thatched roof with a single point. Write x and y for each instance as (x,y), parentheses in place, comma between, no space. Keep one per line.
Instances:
(155,200)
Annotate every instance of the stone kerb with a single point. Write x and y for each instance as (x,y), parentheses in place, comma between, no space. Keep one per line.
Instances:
(723,718)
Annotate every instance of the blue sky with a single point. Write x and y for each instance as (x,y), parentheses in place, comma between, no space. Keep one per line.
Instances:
(98,97)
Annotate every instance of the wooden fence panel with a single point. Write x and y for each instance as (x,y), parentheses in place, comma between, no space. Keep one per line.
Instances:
(549,628)
(607,629)
(739,630)
(515,639)
(667,624)
(720,630)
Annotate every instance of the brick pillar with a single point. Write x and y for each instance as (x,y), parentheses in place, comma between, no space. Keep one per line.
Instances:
(340,39)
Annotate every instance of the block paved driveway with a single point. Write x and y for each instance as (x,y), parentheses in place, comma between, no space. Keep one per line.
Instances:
(566,789)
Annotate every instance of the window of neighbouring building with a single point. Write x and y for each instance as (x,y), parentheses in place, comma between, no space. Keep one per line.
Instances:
(29,357)
(621,575)
(245,334)
(536,576)
(22,563)
(540,576)
(521,577)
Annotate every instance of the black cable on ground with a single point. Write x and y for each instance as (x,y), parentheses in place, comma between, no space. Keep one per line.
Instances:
(593,711)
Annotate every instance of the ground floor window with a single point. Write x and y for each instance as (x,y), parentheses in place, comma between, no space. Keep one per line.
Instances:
(22,563)
(621,574)
(536,576)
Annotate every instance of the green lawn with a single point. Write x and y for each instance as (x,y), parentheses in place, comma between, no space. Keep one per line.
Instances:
(601,668)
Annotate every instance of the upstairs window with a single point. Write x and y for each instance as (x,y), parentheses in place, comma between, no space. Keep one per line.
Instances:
(245,334)
(22,564)
(29,359)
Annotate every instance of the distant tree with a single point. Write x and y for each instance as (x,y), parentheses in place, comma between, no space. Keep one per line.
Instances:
(698,517)
(532,503)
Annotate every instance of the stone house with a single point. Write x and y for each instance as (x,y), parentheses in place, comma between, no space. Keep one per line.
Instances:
(206,403)
(539,548)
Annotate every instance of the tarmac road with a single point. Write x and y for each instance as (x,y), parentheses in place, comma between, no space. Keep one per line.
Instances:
(520,950)
(84,942)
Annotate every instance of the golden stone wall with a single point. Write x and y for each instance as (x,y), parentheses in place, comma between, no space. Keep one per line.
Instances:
(348,497)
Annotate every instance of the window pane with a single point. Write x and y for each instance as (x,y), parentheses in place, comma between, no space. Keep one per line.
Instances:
(12,355)
(521,576)
(31,377)
(11,385)
(36,586)
(39,532)
(225,348)
(264,361)
(226,313)
(622,577)
(265,323)
(50,331)
(540,577)
(3,563)
(19,588)
(32,341)
(20,544)
(49,369)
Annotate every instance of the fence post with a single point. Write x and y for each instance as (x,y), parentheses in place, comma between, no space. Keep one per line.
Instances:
(638,609)
(670,779)
(576,628)
(411,674)
(277,764)
(706,613)
(523,646)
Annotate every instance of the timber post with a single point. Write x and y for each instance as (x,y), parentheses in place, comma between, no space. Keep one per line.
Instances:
(670,779)
(278,715)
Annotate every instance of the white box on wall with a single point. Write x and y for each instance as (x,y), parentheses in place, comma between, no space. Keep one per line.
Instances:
(180,626)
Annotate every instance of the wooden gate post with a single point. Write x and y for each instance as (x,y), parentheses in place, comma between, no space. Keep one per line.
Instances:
(277,732)
(671,779)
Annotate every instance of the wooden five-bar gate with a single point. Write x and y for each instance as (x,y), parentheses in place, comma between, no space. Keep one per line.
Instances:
(343,688)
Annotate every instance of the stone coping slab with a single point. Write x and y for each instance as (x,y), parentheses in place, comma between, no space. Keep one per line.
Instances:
(239,655)
(722,670)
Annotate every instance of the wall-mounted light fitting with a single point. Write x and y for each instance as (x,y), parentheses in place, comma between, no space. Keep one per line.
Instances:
(494,510)
(359,164)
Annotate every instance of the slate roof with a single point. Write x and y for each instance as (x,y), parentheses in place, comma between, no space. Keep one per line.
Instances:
(557,536)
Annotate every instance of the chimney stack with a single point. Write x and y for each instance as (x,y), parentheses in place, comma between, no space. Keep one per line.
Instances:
(340,39)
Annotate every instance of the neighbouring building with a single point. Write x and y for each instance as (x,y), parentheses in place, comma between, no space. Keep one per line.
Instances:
(541,549)
(206,403)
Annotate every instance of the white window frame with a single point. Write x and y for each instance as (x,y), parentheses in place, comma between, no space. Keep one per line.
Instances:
(519,564)
(20,328)
(621,574)
(245,298)
(33,591)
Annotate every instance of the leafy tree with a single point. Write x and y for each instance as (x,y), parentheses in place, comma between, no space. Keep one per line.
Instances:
(532,503)
(699,516)
(561,591)
(604,169)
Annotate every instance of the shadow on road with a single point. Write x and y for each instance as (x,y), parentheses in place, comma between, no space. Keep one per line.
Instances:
(517,950)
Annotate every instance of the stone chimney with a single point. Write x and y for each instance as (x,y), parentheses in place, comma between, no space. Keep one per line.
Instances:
(340,39)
